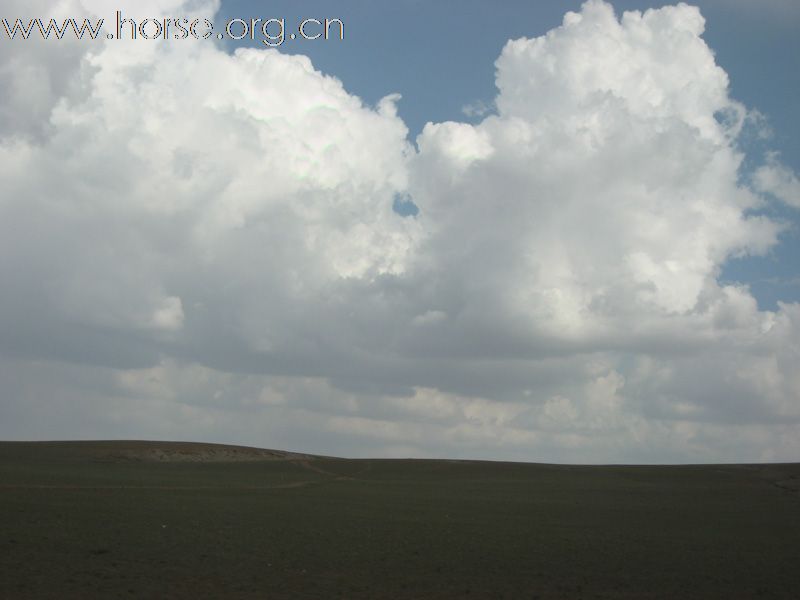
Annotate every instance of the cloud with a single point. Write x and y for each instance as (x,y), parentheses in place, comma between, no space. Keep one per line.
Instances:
(196,244)
(610,186)
(184,188)
(35,78)
(478,108)
(777,179)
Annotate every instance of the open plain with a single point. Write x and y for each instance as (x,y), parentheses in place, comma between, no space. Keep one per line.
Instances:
(181,520)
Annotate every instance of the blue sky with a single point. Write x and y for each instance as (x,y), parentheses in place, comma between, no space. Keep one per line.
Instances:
(440,56)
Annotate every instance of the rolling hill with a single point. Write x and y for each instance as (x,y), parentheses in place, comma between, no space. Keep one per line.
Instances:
(118,519)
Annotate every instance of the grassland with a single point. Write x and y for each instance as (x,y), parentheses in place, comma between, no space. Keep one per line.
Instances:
(160,520)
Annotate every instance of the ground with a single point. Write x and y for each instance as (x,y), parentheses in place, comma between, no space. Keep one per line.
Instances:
(170,520)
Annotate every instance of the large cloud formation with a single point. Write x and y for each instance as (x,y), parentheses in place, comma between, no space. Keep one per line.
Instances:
(196,244)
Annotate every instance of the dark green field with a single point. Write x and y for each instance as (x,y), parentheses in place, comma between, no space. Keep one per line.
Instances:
(158,520)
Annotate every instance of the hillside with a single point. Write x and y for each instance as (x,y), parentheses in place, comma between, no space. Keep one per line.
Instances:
(147,451)
(181,520)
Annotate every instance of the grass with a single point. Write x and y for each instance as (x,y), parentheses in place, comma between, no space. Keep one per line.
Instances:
(84,520)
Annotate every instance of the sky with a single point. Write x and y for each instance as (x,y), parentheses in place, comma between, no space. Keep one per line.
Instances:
(548,232)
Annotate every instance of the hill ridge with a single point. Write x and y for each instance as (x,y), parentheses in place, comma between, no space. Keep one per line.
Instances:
(154,451)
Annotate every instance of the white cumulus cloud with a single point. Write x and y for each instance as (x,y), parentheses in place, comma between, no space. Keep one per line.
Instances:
(777,179)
